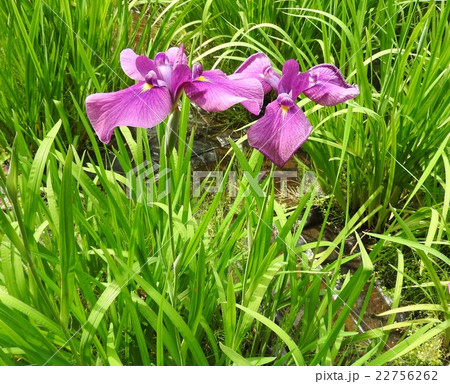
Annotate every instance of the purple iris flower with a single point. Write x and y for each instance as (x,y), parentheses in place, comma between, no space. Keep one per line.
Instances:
(160,83)
(284,127)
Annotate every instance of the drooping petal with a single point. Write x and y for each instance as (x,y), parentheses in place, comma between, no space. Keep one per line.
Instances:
(328,86)
(281,131)
(258,66)
(135,66)
(214,91)
(141,105)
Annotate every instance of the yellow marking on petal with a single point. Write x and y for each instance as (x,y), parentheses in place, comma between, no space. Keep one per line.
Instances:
(202,78)
(284,110)
(146,87)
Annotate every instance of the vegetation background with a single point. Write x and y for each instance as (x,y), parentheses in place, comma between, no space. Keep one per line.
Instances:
(90,276)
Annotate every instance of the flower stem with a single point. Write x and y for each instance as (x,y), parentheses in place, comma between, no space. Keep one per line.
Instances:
(170,137)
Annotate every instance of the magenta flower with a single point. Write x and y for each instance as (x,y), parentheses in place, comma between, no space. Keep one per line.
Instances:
(160,83)
(284,127)
(215,91)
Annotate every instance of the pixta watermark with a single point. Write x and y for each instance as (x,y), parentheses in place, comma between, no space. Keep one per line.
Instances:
(147,183)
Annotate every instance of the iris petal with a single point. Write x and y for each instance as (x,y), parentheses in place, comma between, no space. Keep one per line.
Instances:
(328,86)
(180,75)
(214,91)
(135,66)
(292,81)
(141,105)
(176,55)
(165,69)
(280,132)
(288,77)
(258,66)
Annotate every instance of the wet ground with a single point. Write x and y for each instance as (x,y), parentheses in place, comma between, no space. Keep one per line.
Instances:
(378,301)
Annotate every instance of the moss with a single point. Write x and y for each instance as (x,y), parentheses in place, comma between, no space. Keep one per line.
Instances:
(431,353)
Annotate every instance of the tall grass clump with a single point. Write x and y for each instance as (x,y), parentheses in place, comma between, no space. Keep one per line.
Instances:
(89,276)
